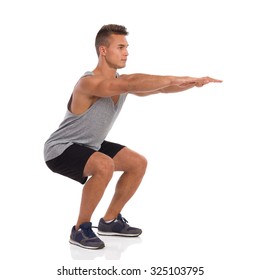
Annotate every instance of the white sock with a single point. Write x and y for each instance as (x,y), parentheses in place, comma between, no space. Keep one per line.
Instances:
(109,221)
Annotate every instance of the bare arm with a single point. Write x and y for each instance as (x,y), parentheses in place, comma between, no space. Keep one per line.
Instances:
(147,83)
(188,84)
(170,89)
(139,84)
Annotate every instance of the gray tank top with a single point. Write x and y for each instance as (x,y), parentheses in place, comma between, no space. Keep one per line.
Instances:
(88,129)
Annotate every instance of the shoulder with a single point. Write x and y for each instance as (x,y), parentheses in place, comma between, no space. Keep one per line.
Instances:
(87,83)
(101,86)
(91,79)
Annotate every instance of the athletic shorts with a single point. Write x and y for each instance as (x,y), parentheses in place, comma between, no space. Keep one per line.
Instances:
(72,161)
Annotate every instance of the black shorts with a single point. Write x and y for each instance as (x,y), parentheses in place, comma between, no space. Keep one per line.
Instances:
(72,161)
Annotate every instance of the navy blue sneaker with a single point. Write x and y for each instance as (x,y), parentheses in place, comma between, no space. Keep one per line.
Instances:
(118,227)
(85,237)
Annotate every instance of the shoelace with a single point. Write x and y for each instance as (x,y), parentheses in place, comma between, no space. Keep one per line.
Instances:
(122,219)
(89,232)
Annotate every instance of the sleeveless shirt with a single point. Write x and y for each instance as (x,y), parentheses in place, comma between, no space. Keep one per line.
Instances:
(87,129)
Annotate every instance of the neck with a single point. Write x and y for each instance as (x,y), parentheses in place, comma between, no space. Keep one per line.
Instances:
(105,70)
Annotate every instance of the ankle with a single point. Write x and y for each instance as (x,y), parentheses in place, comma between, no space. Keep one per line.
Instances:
(77,226)
(109,218)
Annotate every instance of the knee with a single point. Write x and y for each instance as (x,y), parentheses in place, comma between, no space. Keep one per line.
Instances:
(143,163)
(105,168)
(140,164)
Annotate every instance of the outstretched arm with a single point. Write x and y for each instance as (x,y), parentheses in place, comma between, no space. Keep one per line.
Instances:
(197,82)
(139,84)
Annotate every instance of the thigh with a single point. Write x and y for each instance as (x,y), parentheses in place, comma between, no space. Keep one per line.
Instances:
(127,159)
(102,159)
(98,163)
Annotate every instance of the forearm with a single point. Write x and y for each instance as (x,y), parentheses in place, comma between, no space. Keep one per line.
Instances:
(174,89)
(151,84)
(171,89)
(138,83)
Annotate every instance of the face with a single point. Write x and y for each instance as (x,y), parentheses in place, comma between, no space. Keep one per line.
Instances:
(116,53)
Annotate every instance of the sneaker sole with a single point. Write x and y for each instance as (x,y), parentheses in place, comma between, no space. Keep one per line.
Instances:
(118,234)
(86,247)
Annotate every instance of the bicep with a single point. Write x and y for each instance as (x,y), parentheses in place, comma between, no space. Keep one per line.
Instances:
(110,87)
(100,87)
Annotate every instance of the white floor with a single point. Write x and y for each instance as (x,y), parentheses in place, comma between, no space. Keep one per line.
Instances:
(115,249)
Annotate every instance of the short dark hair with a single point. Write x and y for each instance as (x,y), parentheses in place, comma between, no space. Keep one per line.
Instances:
(104,33)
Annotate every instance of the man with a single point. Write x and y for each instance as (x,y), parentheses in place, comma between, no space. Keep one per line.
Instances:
(78,149)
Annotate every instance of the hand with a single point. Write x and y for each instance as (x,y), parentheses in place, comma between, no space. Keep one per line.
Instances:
(205,80)
(199,82)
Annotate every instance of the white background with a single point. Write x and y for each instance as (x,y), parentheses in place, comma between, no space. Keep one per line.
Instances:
(199,202)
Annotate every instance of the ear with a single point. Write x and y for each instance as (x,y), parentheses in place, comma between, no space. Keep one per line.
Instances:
(102,50)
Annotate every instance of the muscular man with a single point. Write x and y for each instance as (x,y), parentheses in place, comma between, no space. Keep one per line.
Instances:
(78,149)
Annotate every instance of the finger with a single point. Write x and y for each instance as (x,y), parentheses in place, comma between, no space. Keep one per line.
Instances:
(214,80)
